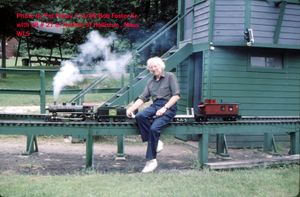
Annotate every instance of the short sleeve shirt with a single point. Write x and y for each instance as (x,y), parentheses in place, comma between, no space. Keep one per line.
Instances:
(166,87)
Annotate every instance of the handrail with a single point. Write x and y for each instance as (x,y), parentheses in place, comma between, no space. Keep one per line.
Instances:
(26,71)
(87,89)
(42,92)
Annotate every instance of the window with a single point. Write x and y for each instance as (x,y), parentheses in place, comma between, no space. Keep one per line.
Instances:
(266,60)
(272,62)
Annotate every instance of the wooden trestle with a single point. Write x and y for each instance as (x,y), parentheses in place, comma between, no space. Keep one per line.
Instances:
(37,125)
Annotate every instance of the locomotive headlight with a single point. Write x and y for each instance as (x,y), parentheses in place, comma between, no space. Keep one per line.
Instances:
(112,112)
(230,108)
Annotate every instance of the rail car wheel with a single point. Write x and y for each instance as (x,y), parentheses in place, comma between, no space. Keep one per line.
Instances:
(200,118)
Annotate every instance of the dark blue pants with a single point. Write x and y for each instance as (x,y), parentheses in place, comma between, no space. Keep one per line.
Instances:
(150,129)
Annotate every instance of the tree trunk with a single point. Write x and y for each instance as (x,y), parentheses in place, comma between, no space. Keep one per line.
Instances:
(3,65)
(147,9)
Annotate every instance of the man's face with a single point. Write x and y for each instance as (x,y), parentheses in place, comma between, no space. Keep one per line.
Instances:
(155,70)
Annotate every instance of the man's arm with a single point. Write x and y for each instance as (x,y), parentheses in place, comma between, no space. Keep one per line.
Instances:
(134,107)
(169,104)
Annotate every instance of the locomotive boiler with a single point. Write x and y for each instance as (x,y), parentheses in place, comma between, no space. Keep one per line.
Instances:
(70,111)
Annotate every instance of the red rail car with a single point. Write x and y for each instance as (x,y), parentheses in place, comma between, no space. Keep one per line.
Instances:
(211,109)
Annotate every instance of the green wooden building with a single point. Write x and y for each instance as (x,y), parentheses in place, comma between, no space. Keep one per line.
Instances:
(241,51)
(263,76)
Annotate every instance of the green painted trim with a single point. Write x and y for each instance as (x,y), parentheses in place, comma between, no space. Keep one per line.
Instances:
(247,14)
(286,1)
(193,22)
(180,24)
(179,56)
(96,129)
(191,71)
(279,46)
(279,23)
(198,1)
(204,90)
(212,9)
(209,74)
(200,47)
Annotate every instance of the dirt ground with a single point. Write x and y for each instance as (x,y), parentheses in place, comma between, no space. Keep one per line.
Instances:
(57,157)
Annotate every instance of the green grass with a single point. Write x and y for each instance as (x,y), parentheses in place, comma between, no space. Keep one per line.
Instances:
(257,182)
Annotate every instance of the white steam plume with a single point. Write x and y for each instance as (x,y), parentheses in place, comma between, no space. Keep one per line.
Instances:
(68,75)
(95,54)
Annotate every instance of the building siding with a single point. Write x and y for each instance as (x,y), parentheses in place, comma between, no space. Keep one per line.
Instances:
(258,92)
(229,21)
(188,21)
(201,23)
(264,18)
(290,28)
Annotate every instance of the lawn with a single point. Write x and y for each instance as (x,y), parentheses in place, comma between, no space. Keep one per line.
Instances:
(273,182)
(31,81)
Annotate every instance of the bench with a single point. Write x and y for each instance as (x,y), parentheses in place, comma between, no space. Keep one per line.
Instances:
(48,60)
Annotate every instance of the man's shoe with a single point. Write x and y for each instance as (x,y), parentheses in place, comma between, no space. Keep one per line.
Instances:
(150,166)
(160,146)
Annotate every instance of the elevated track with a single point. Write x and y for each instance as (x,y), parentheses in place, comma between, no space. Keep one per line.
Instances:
(39,125)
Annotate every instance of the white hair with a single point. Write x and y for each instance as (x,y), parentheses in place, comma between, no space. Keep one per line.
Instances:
(156,61)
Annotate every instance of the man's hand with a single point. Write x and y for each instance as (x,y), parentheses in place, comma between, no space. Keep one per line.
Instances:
(129,113)
(132,108)
(161,111)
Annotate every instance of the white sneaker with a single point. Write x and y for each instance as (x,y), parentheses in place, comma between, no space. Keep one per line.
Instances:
(150,166)
(160,146)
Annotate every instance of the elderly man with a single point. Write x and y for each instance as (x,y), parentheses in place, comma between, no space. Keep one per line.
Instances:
(164,91)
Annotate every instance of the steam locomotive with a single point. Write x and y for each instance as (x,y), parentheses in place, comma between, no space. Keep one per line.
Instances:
(74,112)
(208,110)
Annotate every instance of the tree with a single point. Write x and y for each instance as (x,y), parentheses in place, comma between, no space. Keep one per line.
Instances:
(7,24)
(149,12)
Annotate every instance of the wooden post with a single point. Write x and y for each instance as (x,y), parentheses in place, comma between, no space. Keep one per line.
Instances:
(31,145)
(42,92)
(294,143)
(268,137)
(203,148)
(89,150)
(120,153)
